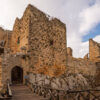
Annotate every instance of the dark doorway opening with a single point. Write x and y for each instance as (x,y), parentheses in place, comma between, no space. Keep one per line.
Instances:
(17,75)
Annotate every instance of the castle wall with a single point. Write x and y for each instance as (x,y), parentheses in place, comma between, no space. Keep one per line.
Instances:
(94,56)
(94,49)
(97,77)
(79,65)
(2,33)
(5,37)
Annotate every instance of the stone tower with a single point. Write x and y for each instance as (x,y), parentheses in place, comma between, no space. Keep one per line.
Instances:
(42,37)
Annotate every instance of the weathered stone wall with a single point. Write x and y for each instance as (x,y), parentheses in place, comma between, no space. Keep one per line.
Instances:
(66,81)
(97,76)
(20,35)
(85,67)
(94,49)
(80,75)
(47,42)
(2,33)
(41,39)
(10,61)
(79,65)
(88,66)
(69,51)
(5,37)
(94,56)
(86,57)
(1,73)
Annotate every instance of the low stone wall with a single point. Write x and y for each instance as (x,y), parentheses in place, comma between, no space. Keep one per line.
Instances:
(65,82)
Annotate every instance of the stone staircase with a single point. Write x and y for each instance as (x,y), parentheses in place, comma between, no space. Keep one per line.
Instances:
(21,92)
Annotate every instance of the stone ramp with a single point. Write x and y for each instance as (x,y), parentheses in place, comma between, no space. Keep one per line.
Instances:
(22,92)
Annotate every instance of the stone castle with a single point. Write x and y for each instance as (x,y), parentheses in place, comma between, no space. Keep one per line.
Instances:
(37,47)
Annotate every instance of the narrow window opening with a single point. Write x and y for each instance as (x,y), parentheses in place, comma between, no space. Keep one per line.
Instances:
(18,40)
(51,42)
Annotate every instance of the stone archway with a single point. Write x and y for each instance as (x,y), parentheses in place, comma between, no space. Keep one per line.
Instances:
(17,75)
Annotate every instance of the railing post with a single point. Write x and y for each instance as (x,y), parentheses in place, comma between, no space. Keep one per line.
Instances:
(51,97)
(55,93)
(40,92)
(57,98)
(78,97)
(67,95)
(88,95)
(44,93)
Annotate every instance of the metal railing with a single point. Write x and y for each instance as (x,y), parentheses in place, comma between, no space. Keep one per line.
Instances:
(58,94)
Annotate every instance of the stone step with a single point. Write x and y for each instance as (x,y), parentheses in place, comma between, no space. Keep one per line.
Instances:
(21,92)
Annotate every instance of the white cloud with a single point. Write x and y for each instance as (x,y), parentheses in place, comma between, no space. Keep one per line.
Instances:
(97,39)
(90,18)
(79,15)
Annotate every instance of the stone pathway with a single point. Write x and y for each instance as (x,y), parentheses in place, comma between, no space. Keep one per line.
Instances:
(21,92)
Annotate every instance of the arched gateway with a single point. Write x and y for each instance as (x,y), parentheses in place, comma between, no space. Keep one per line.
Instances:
(17,75)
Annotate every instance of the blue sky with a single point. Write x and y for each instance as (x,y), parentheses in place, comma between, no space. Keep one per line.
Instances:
(82,18)
(92,33)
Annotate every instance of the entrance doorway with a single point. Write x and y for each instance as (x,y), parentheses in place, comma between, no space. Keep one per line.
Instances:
(17,75)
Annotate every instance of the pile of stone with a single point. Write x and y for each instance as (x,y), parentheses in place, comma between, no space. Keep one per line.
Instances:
(65,81)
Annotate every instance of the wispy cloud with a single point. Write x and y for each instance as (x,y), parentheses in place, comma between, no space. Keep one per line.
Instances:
(90,17)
